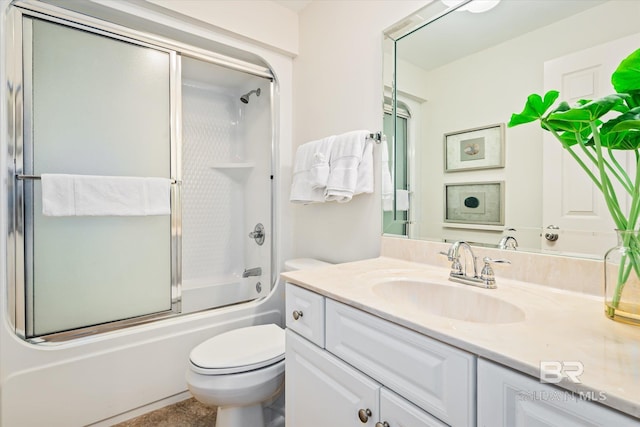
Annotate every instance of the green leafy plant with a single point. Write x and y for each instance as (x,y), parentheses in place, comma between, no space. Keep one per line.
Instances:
(583,128)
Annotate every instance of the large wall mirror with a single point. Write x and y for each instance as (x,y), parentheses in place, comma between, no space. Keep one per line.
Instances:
(453,77)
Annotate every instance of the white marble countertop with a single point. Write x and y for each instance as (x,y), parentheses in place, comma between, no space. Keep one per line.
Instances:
(558,325)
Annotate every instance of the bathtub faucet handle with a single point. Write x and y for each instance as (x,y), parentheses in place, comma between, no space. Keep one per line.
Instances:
(258,234)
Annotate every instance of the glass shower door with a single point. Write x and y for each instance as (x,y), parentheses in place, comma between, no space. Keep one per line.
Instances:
(94,105)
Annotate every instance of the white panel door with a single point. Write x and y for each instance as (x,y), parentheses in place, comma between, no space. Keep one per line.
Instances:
(322,391)
(570,200)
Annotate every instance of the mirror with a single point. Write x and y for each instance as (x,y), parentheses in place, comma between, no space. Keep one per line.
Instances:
(452,80)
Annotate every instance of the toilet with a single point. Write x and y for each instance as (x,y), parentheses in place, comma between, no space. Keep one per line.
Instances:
(239,370)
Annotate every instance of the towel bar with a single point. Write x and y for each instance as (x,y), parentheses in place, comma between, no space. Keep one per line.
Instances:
(378,137)
(38,177)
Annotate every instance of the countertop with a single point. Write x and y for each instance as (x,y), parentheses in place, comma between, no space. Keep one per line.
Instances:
(558,325)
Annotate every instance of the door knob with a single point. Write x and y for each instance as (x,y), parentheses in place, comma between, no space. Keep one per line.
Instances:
(551,236)
(297,314)
(384,424)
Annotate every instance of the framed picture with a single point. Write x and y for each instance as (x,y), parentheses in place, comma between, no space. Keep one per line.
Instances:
(478,148)
(474,203)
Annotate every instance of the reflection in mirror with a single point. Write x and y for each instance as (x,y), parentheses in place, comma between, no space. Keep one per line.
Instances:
(398,224)
(461,75)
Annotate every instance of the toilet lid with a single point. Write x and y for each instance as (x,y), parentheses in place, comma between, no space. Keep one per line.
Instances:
(241,350)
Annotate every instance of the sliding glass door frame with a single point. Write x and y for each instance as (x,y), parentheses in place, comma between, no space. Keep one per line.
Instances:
(20,191)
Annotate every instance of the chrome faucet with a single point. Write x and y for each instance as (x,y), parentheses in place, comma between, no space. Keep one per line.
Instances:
(508,242)
(454,256)
(458,273)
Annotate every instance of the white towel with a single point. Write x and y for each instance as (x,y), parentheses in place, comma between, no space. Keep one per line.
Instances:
(319,171)
(402,201)
(351,167)
(311,171)
(90,195)
(387,184)
(365,169)
(58,195)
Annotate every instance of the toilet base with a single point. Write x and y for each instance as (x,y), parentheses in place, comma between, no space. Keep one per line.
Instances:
(243,416)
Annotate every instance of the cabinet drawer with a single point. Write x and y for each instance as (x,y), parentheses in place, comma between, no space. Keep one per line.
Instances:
(305,313)
(509,399)
(434,376)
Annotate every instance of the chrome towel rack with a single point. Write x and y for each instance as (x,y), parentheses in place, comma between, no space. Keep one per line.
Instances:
(22,177)
(378,137)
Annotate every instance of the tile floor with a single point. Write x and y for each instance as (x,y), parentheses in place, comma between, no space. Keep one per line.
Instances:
(188,413)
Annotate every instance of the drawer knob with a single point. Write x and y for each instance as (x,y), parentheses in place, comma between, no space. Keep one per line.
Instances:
(297,314)
(364,415)
(384,424)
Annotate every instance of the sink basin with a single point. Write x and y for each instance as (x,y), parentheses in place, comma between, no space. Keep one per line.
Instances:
(448,301)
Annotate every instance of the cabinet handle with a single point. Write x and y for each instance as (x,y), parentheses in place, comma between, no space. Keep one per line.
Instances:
(297,314)
(364,415)
(384,424)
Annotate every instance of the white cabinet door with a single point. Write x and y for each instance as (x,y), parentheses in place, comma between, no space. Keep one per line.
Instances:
(510,399)
(397,412)
(436,377)
(322,391)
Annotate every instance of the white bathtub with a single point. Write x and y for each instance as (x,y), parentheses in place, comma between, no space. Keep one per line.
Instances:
(93,379)
(200,294)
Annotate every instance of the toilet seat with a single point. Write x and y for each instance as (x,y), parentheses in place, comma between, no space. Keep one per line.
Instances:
(228,353)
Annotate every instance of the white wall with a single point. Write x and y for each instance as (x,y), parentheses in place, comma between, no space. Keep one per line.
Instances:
(338,87)
(264,22)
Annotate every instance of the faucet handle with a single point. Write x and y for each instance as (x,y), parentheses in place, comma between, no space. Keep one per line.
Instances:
(487,275)
(488,260)
(456,266)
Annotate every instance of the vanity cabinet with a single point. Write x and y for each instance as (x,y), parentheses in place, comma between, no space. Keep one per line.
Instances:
(369,371)
(322,390)
(509,399)
(436,377)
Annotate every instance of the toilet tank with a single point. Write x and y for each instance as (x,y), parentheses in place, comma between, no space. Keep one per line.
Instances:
(303,264)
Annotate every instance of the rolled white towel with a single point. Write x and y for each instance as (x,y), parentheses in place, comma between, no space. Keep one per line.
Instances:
(402,201)
(347,154)
(319,170)
(308,187)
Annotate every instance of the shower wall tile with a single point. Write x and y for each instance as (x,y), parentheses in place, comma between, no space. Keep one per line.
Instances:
(211,201)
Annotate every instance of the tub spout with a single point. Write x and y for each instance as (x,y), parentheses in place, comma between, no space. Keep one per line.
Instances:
(256,271)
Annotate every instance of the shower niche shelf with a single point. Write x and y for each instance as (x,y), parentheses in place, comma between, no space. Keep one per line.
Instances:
(235,170)
(233,165)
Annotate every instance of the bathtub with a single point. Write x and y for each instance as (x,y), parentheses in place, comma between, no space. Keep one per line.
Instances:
(203,293)
(113,376)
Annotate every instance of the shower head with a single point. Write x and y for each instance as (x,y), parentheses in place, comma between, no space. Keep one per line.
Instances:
(245,98)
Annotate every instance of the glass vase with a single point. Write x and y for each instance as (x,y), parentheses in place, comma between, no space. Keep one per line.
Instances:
(622,279)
